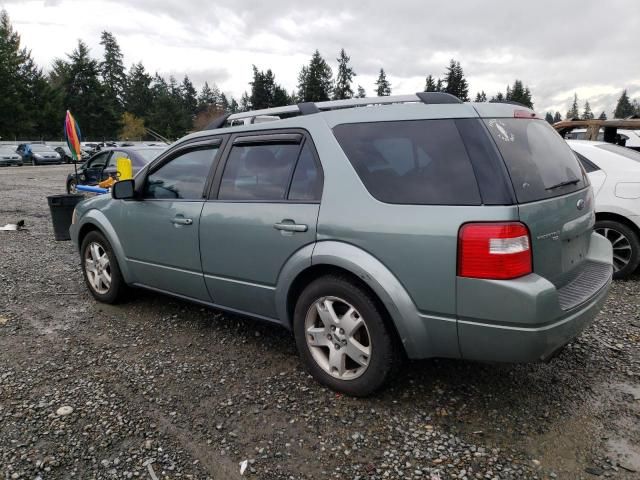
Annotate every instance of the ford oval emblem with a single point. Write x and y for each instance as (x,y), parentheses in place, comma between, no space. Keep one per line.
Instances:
(580,204)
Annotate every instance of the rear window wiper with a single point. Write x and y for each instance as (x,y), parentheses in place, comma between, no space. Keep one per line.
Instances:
(563,184)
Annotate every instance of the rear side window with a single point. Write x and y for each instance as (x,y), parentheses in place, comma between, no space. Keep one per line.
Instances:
(258,172)
(421,162)
(588,165)
(540,162)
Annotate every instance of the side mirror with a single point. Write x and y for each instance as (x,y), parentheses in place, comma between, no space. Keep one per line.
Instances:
(123,190)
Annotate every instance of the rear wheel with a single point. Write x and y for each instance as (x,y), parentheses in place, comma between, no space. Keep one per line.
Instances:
(626,246)
(342,336)
(71,186)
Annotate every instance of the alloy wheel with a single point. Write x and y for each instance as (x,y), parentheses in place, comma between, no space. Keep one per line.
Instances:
(338,338)
(98,268)
(622,250)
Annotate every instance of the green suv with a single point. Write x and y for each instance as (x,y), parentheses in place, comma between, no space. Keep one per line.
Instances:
(375,229)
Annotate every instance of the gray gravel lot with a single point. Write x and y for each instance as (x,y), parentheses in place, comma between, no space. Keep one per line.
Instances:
(162,388)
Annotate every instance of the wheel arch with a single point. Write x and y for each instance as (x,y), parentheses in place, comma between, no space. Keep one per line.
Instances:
(331,257)
(616,217)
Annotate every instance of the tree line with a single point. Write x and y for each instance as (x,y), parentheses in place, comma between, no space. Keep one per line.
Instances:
(111,101)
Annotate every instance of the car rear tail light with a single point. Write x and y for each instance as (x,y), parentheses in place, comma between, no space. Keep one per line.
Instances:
(497,251)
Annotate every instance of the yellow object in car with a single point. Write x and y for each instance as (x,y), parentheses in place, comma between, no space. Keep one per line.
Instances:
(124,168)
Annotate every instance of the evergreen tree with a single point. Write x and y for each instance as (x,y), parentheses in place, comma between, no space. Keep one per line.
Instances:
(83,93)
(281,97)
(361,92)
(208,97)
(233,106)
(439,85)
(603,116)
(497,98)
(430,84)
(481,97)
(519,93)
(112,70)
(624,108)
(138,97)
(344,79)
(573,112)
(456,83)
(549,118)
(636,107)
(383,87)
(557,117)
(587,114)
(245,103)
(315,82)
(189,98)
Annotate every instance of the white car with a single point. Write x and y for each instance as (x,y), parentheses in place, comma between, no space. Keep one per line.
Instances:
(614,172)
(631,137)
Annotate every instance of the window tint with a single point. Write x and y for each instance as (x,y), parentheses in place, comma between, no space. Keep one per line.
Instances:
(258,172)
(538,159)
(586,163)
(98,161)
(183,177)
(307,179)
(412,162)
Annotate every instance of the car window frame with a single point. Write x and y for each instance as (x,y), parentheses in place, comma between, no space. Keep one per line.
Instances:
(177,151)
(267,137)
(106,154)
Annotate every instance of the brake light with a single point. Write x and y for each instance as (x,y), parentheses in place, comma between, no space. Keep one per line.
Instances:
(523,114)
(497,251)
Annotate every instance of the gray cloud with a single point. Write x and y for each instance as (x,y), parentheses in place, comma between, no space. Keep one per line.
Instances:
(555,47)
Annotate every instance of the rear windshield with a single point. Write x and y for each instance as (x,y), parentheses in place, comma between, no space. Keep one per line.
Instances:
(420,162)
(540,162)
(625,152)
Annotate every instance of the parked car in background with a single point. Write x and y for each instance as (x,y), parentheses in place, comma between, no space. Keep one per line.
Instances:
(614,172)
(422,226)
(102,165)
(38,154)
(65,153)
(9,156)
(630,138)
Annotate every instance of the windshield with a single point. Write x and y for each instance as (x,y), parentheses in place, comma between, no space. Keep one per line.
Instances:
(149,154)
(540,162)
(41,148)
(625,152)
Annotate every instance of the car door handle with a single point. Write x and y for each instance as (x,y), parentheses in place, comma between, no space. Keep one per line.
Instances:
(181,221)
(290,226)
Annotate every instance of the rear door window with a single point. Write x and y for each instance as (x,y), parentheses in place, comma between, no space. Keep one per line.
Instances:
(420,162)
(540,162)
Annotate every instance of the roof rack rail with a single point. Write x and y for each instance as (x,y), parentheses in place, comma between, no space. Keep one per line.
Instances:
(309,108)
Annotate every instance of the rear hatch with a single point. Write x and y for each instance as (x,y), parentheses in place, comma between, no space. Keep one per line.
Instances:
(554,197)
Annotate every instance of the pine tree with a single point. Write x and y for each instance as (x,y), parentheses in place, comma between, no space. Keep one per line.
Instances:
(209,97)
(281,97)
(573,112)
(383,87)
(519,93)
(245,103)
(112,70)
(344,79)
(430,84)
(315,82)
(456,83)
(361,92)
(481,97)
(587,114)
(138,97)
(557,117)
(497,98)
(549,118)
(233,106)
(189,97)
(624,108)
(439,85)
(603,116)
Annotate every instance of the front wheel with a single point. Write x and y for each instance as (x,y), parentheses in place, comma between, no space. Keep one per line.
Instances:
(626,246)
(100,269)
(342,336)
(71,186)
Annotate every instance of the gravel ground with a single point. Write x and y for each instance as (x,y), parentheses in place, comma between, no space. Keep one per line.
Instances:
(159,388)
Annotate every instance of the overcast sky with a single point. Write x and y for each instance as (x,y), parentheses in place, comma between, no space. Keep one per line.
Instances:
(557,47)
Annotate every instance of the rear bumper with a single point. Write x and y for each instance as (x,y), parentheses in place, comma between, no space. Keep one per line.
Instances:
(514,343)
(528,319)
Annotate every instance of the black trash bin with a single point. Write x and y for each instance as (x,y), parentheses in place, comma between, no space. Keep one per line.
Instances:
(61,207)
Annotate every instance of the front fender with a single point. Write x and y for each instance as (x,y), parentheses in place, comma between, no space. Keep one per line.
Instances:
(422,335)
(101,222)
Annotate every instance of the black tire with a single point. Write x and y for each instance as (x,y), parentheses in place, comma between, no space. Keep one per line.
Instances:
(117,289)
(34,162)
(70,186)
(384,348)
(612,230)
